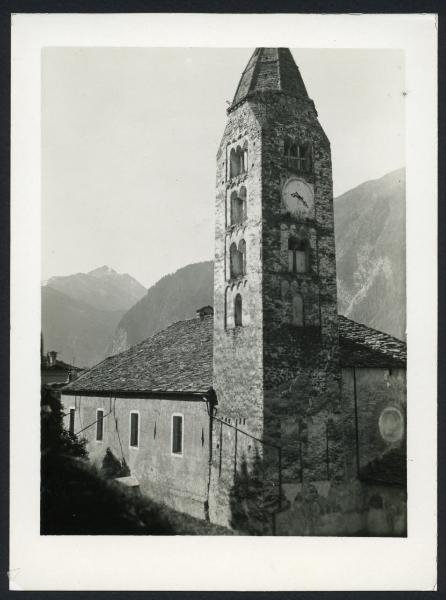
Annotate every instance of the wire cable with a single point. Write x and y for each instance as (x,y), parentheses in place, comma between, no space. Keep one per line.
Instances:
(117,432)
(94,422)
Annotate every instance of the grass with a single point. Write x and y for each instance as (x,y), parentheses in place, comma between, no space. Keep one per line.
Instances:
(77,500)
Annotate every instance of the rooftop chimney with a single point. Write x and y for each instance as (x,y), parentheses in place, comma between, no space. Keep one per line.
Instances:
(205,311)
(52,356)
(72,375)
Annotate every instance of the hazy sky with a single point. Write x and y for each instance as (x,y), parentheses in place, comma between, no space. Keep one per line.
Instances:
(129,138)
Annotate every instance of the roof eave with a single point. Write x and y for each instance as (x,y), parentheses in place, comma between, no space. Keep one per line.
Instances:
(198,396)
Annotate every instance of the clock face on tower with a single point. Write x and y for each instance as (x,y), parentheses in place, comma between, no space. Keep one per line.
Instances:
(298,197)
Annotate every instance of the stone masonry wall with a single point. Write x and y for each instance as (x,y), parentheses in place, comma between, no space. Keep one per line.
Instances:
(376,391)
(282,379)
(276,379)
(238,361)
(350,508)
(372,499)
(301,364)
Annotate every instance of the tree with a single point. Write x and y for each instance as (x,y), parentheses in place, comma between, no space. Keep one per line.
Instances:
(55,439)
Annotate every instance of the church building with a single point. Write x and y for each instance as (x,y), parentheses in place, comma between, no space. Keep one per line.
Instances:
(268,413)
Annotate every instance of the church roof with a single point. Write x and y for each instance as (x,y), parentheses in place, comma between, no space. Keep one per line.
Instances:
(362,346)
(179,359)
(270,70)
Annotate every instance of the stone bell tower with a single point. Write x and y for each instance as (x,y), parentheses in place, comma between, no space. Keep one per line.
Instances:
(276,364)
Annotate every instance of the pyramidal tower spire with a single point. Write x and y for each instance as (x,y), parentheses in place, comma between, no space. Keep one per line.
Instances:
(270,70)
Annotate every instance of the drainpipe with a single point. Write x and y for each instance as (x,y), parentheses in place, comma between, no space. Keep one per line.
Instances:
(211,403)
(356,424)
(235,451)
(280,478)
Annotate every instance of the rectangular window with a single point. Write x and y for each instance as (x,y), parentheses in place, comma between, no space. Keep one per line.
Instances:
(99,425)
(71,425)
(177,434)
(134,429)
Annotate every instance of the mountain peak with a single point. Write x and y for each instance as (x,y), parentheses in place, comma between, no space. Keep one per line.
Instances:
(104,270)
(102,288)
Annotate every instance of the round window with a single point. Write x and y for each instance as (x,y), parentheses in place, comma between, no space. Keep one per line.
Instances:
(391,424)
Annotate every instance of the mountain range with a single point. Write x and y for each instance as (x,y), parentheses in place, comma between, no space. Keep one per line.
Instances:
(173,298)
(96,314)
(102,288)
(370,229)
(80,312)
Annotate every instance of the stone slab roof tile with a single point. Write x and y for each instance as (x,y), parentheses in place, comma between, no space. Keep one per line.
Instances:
(270,70)
(179,358)
(362,346)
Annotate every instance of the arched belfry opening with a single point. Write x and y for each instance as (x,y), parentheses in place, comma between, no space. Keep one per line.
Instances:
(237,259)
(298,156)
(242,256)
(238,311)
(238,161)
(238,206)
(234,168)
(234,261)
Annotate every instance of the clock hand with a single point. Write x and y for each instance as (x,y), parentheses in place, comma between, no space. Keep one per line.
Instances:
(299,197)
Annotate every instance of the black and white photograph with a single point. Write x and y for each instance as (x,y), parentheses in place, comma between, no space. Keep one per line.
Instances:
(224,305)
(262,390)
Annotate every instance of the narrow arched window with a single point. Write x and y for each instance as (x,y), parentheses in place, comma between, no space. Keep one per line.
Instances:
(242,256)
(238,309)
(234,208)
(239,153)
(298,255)
(237,208)
(227,306)
(233,259)
(238,161)
(237,259)
(243,196)
(245,160)
(297,310)
(234,163)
